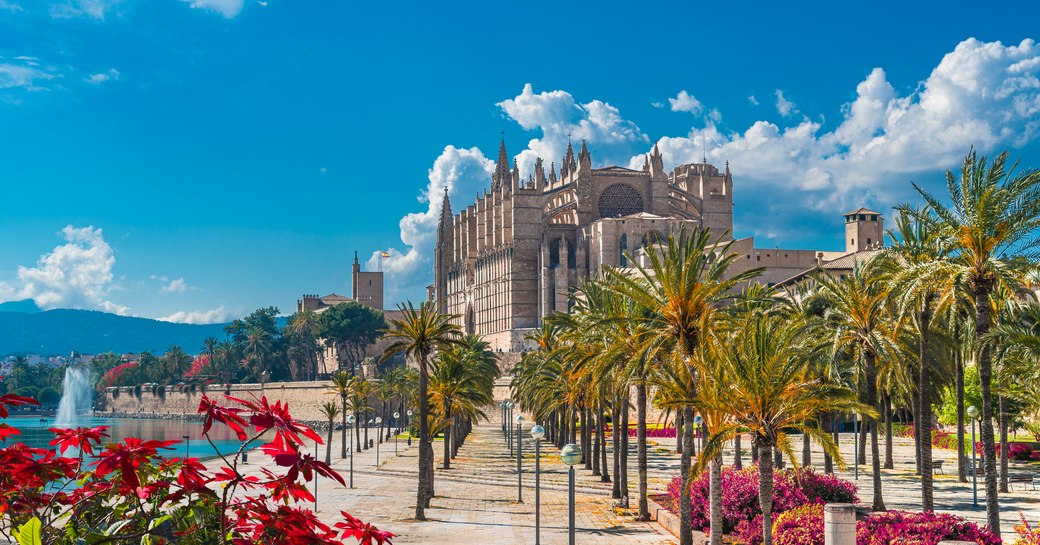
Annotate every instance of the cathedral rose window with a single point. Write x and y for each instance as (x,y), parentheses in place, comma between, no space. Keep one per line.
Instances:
(620,200)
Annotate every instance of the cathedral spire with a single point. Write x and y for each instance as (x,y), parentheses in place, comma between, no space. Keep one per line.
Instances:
(502,171)
(446,207)
(552,172)
(569,164)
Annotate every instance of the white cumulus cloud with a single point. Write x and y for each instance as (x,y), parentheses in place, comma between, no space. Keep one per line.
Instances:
(981,94)
(685,102)
(177,285)
(214,316)
(227,8)
(77,274)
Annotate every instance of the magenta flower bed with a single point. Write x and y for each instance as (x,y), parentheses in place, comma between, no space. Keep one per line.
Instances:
(912,528)
(791,489)
(804,526)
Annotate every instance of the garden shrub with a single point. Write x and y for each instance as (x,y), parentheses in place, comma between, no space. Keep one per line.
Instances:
(791,488)
(911,528)
(1020,451)
(799,526)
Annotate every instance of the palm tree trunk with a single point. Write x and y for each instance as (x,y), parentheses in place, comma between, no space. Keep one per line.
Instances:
(962,456)
(806,448)
(623,430)
(887,411)
(595,445)
(924,430)
(357,433)
(715,500)
(765,489)
(586,437)
(446,463)
(778,458)
(1003,423)
(737,463)
(878,503)
(602,430)
(366,429)
(915,402)
(983,321)
(644,506)
(425,448)
(685,461)
(827,423)
(754,452)
(328,444)
(343,452)
(615,444)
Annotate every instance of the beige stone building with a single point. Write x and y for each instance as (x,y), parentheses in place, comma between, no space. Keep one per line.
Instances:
(515,254)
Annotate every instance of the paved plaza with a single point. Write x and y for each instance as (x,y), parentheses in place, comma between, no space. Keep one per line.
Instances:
(476,499)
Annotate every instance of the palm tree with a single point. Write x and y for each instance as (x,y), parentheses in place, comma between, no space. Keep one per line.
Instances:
(860,319)
(304,328)
(993,214)
(681,290)
(360,391)
(330,411)
(418,334)
(342,386)
(462,382)
(210,345)
(917,248)
(763,381)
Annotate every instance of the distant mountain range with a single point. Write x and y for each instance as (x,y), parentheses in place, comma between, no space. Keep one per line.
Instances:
(24,328)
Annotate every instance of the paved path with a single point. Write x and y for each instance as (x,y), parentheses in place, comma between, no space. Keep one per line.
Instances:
(476,499)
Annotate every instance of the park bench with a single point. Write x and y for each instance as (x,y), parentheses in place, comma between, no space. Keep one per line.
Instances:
(1022,478)
(937,465)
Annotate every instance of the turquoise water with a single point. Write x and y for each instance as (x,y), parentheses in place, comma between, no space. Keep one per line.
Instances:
(35,433)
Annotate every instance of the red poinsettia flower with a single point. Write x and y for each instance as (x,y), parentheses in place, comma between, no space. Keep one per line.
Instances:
(227,415)
(11,400)
(127,457)
(365,533)
(266,416)
(288,455)
(7,431)
(82,439)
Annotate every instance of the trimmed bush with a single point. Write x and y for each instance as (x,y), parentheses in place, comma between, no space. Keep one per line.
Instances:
(912,528)
(799,526)
(1020,451)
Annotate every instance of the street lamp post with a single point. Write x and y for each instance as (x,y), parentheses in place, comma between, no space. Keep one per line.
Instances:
(187,446)
(973,413)
(315,479)
(409,413)
(350,422)
(519,460)
(503,405)
(570,455)
(537,432)
(397,420)
(379,421)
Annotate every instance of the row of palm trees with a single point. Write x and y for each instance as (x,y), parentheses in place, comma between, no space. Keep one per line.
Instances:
(451,387)
(688,333)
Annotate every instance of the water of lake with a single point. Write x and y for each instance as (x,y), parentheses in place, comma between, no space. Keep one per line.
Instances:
(35,433)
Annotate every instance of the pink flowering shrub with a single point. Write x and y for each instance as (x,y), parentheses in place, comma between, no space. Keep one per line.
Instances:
(911,528)
(1020,451)
(791,489)
(115,374)
(197,366)
(799,526)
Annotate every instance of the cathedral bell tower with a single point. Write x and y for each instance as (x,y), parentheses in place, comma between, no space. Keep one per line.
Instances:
(443,254)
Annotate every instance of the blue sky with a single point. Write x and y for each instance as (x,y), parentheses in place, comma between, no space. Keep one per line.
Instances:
(195,159)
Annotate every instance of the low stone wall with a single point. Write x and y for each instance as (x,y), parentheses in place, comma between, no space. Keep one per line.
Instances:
(304,398)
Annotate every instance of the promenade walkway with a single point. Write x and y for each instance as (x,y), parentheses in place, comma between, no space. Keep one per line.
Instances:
(476,499)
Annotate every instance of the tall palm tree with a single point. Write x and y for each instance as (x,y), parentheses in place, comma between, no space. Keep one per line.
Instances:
(681,289)
(330,411)
(916,250)
(360,391)
(860,318)
(462,382)
(993,215)
(763,381)
(342,386)
(418,334)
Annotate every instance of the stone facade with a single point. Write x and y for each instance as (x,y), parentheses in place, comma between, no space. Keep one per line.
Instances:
(517,252)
